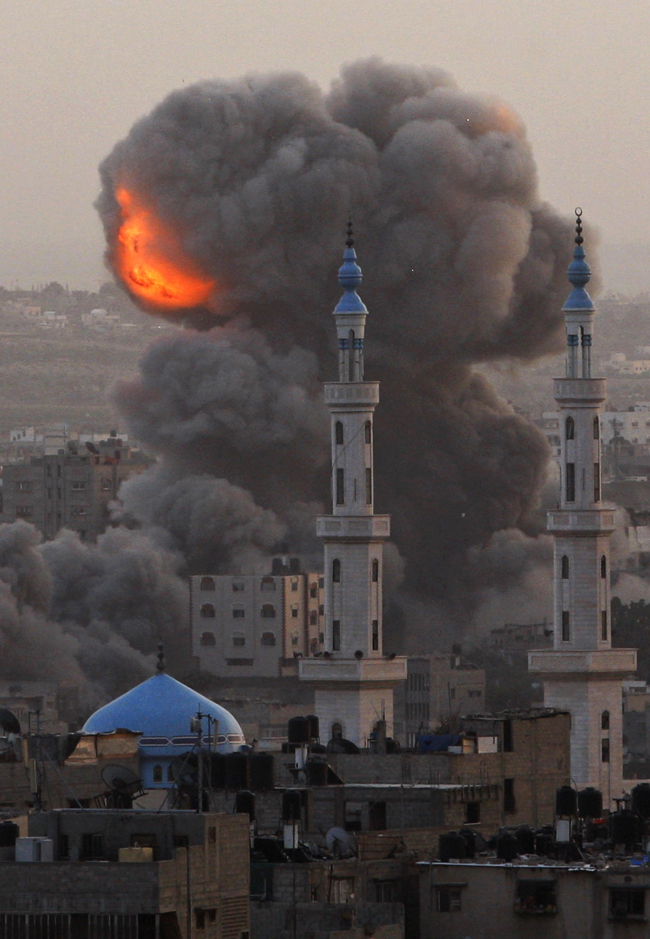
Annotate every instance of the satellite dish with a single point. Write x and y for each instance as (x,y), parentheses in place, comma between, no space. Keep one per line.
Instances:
(120,777)
(91,447)
(341,843)
(9,722)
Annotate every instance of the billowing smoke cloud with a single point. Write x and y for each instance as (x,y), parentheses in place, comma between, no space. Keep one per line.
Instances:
(463,264)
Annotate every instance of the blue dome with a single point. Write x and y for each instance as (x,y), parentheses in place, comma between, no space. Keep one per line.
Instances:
(161,709)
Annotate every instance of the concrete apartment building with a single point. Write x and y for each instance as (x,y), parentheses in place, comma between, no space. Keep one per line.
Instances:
(256,626)
(69,489)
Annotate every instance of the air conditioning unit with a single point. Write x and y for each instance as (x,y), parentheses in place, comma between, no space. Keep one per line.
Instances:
(34,849)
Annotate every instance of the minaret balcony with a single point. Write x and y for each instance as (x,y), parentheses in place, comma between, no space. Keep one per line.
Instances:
(582,663)
(360,393)
(579,392)
(581,521)
(381,671)
(353,527)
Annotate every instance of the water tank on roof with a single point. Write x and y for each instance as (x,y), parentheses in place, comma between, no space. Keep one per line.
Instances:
(316,772)
(641,800)
(236,771)
(624,828)
(506,846)
(469,837)
(298,730)
(217,770)
(291,805)
(9,831)
(590,803)
(525,840)
(314,729)
(245,803)
(566,801)
(452,846)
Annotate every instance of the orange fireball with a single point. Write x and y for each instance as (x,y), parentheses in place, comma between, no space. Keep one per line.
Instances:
(151,261)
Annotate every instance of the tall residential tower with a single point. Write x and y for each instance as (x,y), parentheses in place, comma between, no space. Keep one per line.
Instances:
(582,673)
(353,679)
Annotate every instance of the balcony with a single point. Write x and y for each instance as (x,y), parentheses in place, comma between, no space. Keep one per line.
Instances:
(382,670)
(573,521)
(353,527)
(579,391)
(361,393)
(608,663)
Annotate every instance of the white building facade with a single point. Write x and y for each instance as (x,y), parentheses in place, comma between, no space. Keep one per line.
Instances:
(353,680)
(583,673)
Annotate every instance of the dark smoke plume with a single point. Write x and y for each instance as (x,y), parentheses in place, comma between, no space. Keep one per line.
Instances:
(463,264)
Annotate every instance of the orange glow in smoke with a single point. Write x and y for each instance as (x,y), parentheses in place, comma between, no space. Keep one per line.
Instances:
(151,261)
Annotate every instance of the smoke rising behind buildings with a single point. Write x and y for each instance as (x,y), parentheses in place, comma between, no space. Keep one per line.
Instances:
(462,264)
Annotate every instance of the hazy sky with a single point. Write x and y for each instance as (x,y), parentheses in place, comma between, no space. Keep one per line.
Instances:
(75,74)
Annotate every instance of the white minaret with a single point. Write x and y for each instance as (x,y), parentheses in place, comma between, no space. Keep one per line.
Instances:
(354,680)
(582,673)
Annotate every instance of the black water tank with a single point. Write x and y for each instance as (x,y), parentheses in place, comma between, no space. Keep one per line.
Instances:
(590,803)
(318,748)
(298,730)
(291,805)
(245,803)
(566,801)
(9,831)
(641,800)
(470,842)
(262,771)
(217,764)
(314,727)
(316,772)
(624,828)
(543,843)
(452,846)
(236,772)
(525,840)
(506,846)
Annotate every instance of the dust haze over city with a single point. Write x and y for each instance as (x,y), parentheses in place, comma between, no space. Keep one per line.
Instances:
(460,141)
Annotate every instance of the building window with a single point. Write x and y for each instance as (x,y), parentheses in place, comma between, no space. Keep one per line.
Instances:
(336,571)
(536,897)
(375,570)
(368,486)
(238,640)
(340,487)
(596,428)
(368,431)
(603,625)
(336,635)
(570,482)
(207,611)
(92,847)
(375,635)
(604,720)
(107,485)
(24,486)
(24,511)
(570,429)
(313,591)
(238,612)
(77,510)
(313,618)
(294,639)
(78,487)
(207,583)
(268,611)
(604,750)
(603,567)
(338,433)
(508,745)
(386,891)
(626,903)
(238,586)
(294,583)
(268,583)
(157,774)
(565,567)
(448,899)
(566,626)
(509,802)
(199,918)
(294,611)
(596,482)
(207,639)
(473,813)
(268,639)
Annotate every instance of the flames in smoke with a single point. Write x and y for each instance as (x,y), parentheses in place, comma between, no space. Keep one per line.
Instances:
(151,262)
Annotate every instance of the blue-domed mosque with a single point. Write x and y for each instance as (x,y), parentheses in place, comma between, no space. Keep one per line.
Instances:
(165,711)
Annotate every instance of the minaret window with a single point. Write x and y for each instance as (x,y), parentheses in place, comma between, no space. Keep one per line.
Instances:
(565,567)
(596,482)
(338,432)
(570,429)
(566,626)
(375,635)
(604,750)
(603,567)
(603,625)
(596,428)
(604,720)
(368,486)
(340,487)
(336,571)
(570,482)
(375,570)
(336,635)
(368,432)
